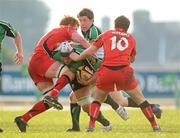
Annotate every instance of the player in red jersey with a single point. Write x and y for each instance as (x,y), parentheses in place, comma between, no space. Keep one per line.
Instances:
(119,52)
(42,68)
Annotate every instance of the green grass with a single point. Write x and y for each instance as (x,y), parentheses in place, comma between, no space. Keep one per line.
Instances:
(53,124)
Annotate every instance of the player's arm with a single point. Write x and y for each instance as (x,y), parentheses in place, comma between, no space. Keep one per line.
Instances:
(133,53)
(11,32)
(132,59)
(88,82)
(89,51)
(79,39)
(19,49)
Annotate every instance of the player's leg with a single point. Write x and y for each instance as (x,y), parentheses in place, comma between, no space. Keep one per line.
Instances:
(75,110)
(128,102)
(117,104)
(84,99)
(94,112)
(130,85)
(44,84)
(39,107)
(138,97)
(120,110)
(64,76)
(155,107)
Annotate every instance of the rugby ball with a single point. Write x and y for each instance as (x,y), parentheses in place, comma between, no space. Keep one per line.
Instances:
(84,73)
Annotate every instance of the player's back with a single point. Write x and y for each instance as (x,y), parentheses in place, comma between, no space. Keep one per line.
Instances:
(54,37)
(118,46)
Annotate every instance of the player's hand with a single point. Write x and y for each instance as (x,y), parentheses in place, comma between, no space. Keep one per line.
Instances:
(19,57)
(83,82)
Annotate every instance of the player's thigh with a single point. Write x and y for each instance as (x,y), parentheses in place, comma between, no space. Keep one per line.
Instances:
(72,97)
(83,98)
(57,69)
(136,95)
(82,92)
(119,98)
(100,95)
(44,86)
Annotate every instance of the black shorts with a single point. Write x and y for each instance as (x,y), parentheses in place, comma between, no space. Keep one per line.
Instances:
(75,85)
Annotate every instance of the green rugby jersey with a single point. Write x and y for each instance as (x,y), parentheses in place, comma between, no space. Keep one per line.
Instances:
(92,62)
(91,34)
(6,30)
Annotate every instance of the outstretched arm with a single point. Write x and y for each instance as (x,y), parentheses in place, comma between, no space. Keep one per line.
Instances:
(19,49)
(89,51)
(79,39)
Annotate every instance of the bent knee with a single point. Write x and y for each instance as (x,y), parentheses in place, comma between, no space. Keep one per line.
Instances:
(72,98)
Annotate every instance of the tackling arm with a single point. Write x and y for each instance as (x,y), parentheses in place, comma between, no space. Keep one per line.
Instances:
(89,51)
(77,38)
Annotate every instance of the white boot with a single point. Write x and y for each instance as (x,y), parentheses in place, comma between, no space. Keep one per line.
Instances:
(121,111)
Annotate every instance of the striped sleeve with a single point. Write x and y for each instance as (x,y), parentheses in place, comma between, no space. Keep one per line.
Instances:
(10,31)
(94,33)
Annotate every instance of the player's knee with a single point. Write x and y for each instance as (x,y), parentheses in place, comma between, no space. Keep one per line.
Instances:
(70,74)
(72,98)
(86,108)
(85,100)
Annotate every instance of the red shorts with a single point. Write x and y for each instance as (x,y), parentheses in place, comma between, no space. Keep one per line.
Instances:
(38,66)
(123,78)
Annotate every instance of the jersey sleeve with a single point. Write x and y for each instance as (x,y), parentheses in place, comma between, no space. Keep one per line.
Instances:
(10,31)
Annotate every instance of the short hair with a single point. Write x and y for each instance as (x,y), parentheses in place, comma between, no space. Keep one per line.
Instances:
(86,12)
(69,20)
(122,22)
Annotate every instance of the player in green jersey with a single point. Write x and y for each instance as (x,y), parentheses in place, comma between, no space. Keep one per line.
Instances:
(7,30)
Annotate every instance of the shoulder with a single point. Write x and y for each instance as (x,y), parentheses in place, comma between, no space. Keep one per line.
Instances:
(106,33)
(132,37)
(11,31)
(95,29)
(5,23)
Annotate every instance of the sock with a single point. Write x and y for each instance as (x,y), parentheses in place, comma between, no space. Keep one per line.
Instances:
(38,108)
(94,112)
(101,119)
(75,114)
(61,82)
(131,103)
(146,109)
(111,102)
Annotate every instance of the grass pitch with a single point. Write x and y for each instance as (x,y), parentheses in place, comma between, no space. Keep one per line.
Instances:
(53,124)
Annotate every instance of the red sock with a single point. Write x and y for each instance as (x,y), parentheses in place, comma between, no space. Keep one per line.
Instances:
(61,82)
(94,112)
(38,108)
(149,114)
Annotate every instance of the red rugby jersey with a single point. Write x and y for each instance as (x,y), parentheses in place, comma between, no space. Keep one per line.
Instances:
(54,37)
(118,47)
